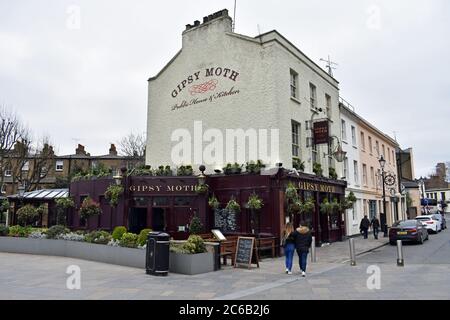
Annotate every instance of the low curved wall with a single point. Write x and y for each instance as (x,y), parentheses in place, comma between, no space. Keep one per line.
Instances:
(127,257)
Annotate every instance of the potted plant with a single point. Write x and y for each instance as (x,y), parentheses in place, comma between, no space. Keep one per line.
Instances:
(326,207)
(227,169)
(185,171)
(113,194)
(233,206)
(254,203)
(332,173)
(195,225)
(254,167)
(89,208)
(213,202)
(307,207)
(201,188)
(298,164)
(317,169)
(236,168)
(291,192)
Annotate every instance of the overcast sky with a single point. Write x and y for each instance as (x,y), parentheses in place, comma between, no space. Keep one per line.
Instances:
(86,81)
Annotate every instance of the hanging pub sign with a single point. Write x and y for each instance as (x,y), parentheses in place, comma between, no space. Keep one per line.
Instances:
(321,132)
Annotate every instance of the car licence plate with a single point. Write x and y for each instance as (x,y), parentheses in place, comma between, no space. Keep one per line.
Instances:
(402,233)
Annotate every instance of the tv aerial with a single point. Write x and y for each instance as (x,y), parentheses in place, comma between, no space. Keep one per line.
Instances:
(330,65)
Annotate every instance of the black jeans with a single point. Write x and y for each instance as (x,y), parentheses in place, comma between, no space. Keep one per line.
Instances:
(366,233)
(375,233)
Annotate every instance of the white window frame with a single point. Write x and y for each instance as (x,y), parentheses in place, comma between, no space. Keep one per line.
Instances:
(294,84)
(313,96)
(355,172)
(354,136)
(26,166)
(8,172)
(343,130)
(295,138)
(364,174)
(328,105)
(59,163)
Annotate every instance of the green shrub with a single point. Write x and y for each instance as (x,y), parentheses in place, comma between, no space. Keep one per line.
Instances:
(195,226)
(128,240)
(194,244)
(143,236)
(62,205)
(19,231)
(27,215)
(4,231)
(118,233)
(99,237)
(55,231)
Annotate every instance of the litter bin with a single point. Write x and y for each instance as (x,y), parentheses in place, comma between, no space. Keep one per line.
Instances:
(157,255)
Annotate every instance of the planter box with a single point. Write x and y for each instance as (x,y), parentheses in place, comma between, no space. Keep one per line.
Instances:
(127,257)
(191,263)
(179,263)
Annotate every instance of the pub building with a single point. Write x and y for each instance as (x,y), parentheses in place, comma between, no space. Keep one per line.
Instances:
(223,80)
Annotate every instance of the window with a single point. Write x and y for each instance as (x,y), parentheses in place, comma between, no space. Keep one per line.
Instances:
(365,174)
(372,177)
(393,158)
(370,144)
(383,151)
(59,165)
(443,196)
(294,84)
(295,139)
(389,155)
(345,168)
(3,189)
(313,96)
(329,110)
(8,172)
(363,141)
(343,130)
(377,146)
(355,171)
(365,207)
(26,166)
(43,172)
(354,136)
(314,153)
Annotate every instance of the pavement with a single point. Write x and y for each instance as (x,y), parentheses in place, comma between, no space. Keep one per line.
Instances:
(331,277)
(44,277)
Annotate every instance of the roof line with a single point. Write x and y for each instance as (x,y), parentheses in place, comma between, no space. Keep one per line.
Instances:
(166,66)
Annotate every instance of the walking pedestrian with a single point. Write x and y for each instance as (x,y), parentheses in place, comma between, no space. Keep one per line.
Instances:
(364,226)
(303,240)
(375,226)
(289,246)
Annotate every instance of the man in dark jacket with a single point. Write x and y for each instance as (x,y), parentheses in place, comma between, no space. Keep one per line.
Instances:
(364,226)
(375,226)
(303,240)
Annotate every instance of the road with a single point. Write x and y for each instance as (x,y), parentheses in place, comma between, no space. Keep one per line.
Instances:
(426,275)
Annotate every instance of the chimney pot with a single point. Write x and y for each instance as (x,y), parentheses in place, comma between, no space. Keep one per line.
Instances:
(196,23)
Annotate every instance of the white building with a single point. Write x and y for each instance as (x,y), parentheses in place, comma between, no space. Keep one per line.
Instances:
(440,195)
(350,169)
(222,80)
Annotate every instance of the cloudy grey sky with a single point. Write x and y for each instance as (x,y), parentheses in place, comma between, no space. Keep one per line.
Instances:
(88,84)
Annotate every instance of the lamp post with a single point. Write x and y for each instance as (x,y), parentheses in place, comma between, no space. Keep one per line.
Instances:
(383,219)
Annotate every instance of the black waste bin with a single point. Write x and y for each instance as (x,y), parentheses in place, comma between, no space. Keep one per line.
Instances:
(157,257)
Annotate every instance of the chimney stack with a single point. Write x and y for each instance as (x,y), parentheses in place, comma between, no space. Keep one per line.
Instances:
(112,150)
(80,150)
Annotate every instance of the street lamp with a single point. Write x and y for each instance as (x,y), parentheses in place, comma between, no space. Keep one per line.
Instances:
(118,178)
(382,162)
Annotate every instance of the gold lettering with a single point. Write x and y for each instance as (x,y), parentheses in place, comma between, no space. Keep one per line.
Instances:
(170,188)
(178,188)
(132,188)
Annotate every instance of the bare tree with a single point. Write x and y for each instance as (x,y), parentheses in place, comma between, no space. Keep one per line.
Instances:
(133,145)
(31,163)
(11,131)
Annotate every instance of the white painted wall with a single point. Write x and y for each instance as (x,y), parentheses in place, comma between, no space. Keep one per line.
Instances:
(263,101)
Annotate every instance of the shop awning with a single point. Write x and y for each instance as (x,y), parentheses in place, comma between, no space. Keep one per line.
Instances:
(44,194)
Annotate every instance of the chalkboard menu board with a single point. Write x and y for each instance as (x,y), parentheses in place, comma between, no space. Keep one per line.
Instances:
(245,249)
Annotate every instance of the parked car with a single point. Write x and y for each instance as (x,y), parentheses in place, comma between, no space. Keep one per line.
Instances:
(431,222)
(408,230)
(441,219)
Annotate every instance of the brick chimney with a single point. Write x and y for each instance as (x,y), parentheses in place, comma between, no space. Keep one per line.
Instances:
(80,150)
(112,150)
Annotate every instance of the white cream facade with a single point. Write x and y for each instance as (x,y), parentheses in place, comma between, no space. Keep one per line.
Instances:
(354,215)
(222,80)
